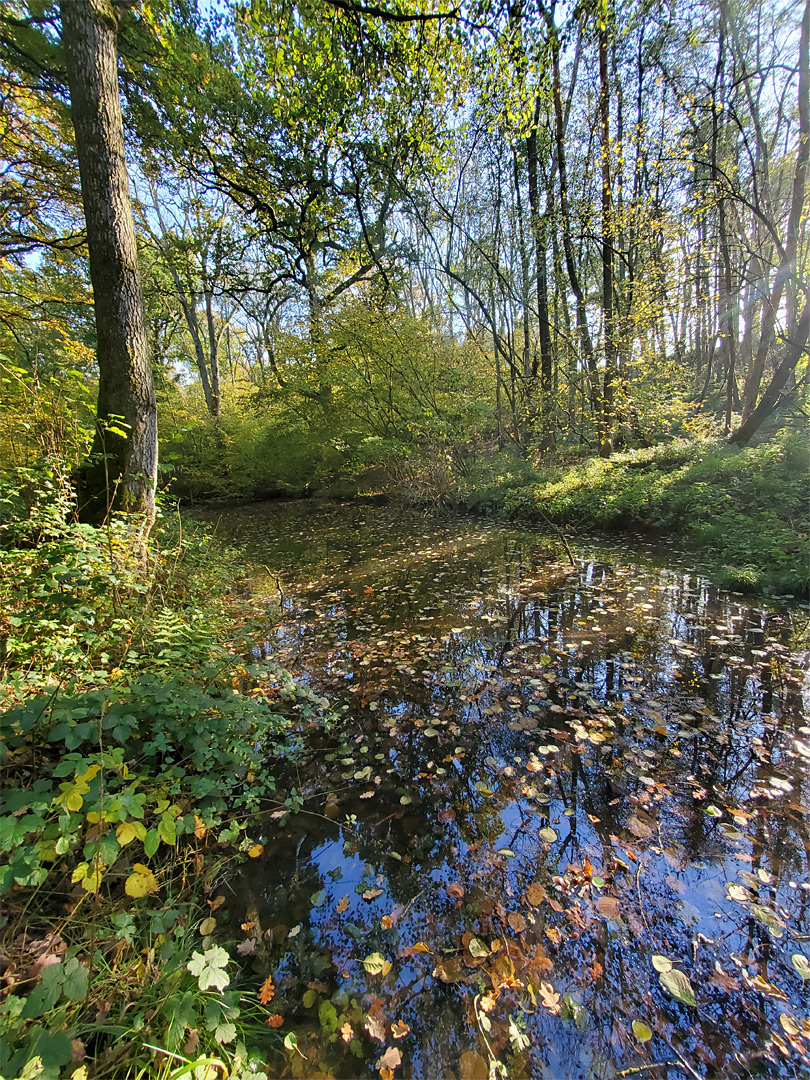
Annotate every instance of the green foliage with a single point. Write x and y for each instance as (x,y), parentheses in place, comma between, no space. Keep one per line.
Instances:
(746,511)
(133,740)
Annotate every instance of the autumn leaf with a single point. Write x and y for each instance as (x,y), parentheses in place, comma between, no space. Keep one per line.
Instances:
(275,1021)
(391,1059)
(375,1026)
(516,922)
(141,882)
(343,904)
(267,991)
(678,985)
(255,851)
(549,999)
(455,891)
(399,1030)
(608,906)
(347,1032)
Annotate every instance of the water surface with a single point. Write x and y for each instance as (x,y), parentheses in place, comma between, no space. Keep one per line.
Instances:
(558,799)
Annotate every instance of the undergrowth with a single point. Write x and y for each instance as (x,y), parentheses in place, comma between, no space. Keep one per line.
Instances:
(746,512)
(136,745)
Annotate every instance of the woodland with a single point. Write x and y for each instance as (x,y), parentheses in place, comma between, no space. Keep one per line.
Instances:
(533,265)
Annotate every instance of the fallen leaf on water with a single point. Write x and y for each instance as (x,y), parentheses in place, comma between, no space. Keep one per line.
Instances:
(516,922)
(386,922)
(372,894)
(391,1059)
(376,964)
(802,966)
(642,1031)
(548,834)
(478,948)
(343,904)
(375,1026)
(399,1030)
(347,1032)
(549,999)
(553,935)
(471,1066)
(661,963)
(267,990)
(275,1021)
(455,891)
(678,985)
(608,906)
(535,894)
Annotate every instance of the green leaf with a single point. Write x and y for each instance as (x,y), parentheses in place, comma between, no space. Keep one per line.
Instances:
(77,978)
(208,968)
(478,948)
(802,965)
(661,963)
(374,963)
(291,1041)
(678,985)
(548,834)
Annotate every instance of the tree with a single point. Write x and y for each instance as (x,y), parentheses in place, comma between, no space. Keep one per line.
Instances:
(123,472)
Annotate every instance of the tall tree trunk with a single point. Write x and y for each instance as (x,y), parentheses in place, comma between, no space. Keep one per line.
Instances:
(754,414)
(608,393)
(539,233)
(126,425)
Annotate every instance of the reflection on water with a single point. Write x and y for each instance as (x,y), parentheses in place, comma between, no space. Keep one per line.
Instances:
(551,790)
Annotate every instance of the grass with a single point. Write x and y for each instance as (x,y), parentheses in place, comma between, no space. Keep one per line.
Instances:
(745,512)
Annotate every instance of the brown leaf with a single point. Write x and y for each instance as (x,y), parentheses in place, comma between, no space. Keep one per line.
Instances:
(516,922)
(549,999)
(455,891)
(193,1042)
(472,1066)
(608,906)
(639,829)
(199,827)
(78,1049)
(553,935)
(343,904)
(391,1059)
(536,894)
(347,1032)
(399,1030)
(375,1026)
(372,894)
(267,990)
(275,1021)
(247,947)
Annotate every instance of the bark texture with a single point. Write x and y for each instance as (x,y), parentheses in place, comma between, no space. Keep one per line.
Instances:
(123,471)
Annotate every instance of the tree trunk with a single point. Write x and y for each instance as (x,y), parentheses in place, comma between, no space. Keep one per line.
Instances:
(608,394)
(126,426)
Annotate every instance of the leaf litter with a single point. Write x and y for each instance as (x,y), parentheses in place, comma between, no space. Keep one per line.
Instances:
(547,776)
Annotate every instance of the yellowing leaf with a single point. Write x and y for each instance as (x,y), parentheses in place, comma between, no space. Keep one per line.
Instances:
(677,984)
(343,904)
(141,883)
(74,801)
(642,1031)
(375,964)
(125,833)
(255,851)
(207,926)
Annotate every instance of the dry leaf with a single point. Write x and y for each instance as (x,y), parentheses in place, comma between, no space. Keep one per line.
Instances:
(275,1021)
(455,891)
(343,904)
(549,999)
(347,1032)
(372,894)
(375,1027)
(516,922)
(399,1030)
(255,851)
(267,990)
(391,1059)
(608,906)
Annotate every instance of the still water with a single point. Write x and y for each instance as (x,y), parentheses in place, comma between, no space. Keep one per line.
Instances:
(559,828)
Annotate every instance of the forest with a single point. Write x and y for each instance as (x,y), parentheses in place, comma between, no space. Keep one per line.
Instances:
(404,473)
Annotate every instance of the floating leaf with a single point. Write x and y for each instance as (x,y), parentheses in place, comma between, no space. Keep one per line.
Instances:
(275,1021)
(318,898)
(677,984)
(372,894)
(375,963)
(608,906)
(661,963)
(802,966)
(738,893)
(713,811)
(641,1031)
(375,1026)
(478,948)
(516,922)
(768,918)
(598,882)
(548,834)
(391,1059)
(267,991)
(399,1030)
(343,904)
(471,1066)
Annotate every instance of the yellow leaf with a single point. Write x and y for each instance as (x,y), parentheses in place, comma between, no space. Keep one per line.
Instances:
(80,1073)
(80,873)
(74,801)
(125,833)
(141,883)
(87,776)
(256,851)
(199,827)
(92,880)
